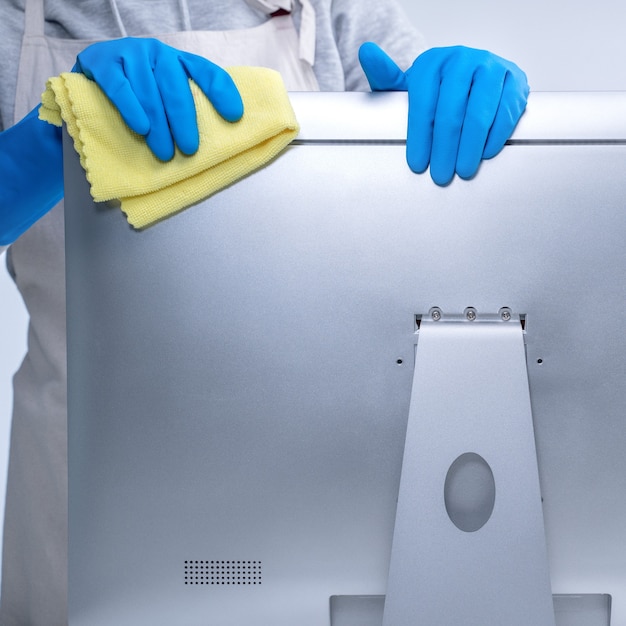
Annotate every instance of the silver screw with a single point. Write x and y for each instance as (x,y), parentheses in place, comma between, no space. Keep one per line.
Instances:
(435,314)
(505,314)
(470,314)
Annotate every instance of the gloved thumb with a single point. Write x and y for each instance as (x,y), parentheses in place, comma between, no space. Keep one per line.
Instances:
(381,71)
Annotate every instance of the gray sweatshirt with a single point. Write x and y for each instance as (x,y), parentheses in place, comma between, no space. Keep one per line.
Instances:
(342,26)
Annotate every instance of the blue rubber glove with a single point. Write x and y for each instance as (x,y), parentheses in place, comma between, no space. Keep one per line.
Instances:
(147,81)
(31,166)
(463,105)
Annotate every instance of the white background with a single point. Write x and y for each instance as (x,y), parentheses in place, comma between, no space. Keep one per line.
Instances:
(562,46)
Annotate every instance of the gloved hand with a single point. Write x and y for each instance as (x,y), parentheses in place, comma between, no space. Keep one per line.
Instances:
(463,105)
(31,162)
(147,81)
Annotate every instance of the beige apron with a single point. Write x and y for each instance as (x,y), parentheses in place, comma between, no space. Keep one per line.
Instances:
(34,576)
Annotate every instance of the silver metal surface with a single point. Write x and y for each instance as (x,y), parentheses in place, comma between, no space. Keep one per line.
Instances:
(586,116)
(240,375)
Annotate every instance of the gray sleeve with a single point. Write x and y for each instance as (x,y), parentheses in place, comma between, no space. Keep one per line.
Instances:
(11,27)
(383,22)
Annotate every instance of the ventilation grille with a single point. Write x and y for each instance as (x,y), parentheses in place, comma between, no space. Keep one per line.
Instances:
(222,572)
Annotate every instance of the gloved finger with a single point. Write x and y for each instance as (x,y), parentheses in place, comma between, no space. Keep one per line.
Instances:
(424,81)
(178,104)
(381,71)
(216,84)
(482,106)
(449,119)
(512,106)
(141,77)
(112,79)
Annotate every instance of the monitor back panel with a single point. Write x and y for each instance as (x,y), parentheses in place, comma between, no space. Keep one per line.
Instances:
(240,374)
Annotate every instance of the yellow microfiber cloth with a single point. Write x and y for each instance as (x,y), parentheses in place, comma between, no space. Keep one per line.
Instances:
(119,165)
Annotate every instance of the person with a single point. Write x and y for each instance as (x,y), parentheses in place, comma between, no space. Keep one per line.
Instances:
(463,105)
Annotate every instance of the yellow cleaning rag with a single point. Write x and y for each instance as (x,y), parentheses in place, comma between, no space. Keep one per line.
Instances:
(120,166)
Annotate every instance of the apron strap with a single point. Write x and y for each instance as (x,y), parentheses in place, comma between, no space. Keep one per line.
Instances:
(307,32)
(33,18)
(274,8)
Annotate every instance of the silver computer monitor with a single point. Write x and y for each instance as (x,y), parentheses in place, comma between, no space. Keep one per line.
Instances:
(241,374)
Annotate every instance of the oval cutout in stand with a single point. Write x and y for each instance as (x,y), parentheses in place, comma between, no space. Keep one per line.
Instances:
(469,492)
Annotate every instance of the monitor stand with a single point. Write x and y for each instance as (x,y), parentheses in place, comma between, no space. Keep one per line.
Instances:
(469,544)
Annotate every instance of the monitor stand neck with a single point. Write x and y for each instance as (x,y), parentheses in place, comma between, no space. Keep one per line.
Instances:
(469,542)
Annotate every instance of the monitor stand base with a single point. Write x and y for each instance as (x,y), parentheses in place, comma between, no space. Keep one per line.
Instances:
(579,609)
(469,543)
